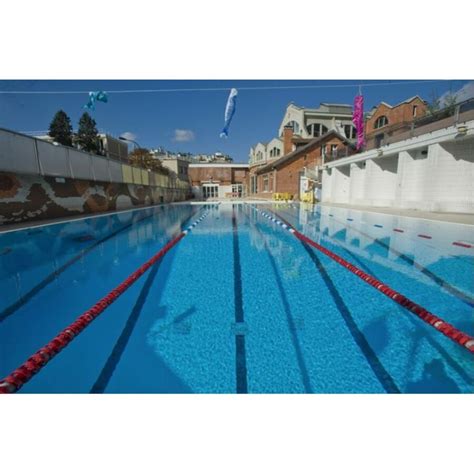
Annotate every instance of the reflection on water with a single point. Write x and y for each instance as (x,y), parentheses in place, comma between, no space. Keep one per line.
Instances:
(371,236)
(41,253)
(434,379)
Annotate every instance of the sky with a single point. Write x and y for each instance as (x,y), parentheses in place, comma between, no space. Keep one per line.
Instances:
(192,121)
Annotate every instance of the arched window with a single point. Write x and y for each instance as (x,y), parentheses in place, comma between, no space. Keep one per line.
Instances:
(259,155)
(350,132)
(382,121)
(274,152)
(317,129)
(294,125)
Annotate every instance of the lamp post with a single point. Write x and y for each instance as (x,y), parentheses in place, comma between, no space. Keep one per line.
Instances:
(135,144)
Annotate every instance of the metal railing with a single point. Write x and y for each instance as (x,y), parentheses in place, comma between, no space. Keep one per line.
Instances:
(443,118)
(23,154)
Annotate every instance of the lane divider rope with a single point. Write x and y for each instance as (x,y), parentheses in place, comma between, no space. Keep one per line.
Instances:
(423,236)
(460,337)
(13,382)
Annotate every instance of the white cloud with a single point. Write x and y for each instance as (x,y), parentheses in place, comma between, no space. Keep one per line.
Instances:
(181,135)
(466,92)
(128,135)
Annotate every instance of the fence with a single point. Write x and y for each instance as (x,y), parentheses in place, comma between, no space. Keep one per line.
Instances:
(28,155)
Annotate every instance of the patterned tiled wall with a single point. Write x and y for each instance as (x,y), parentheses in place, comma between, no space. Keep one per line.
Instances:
(33,197)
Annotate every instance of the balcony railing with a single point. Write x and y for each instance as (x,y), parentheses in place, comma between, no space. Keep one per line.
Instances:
(340,152)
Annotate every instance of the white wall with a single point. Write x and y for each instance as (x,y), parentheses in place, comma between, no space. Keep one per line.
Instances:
(357,183)
(451,183)
(326,185)
(433,172)
(414,172)
(341,185)
(381,181)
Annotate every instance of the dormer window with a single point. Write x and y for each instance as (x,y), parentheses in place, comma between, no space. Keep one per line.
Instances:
(294,125)
(317,129)
(382,121)
(350,132)
(274,152)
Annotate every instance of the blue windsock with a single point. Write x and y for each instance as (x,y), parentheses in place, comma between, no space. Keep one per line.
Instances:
(229,112)
(99,96)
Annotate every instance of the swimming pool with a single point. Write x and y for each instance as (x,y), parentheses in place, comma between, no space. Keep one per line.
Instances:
(239,304)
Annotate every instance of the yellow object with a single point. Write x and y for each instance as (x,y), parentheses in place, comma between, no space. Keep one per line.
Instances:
(307,197)
(282,196)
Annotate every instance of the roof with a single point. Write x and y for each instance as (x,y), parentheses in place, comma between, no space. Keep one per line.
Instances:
(218,165)
(304,149)
(325,108)
(406,101)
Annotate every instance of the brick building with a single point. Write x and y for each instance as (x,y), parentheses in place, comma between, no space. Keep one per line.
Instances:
(384,122)
(218,180)
(284,175)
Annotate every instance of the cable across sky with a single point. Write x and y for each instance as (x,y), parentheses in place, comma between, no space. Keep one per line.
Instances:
(215,89)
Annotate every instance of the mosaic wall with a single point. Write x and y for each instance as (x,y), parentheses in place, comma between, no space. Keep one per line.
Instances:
(30,197)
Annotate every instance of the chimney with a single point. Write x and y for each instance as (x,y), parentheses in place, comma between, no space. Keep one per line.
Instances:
(287,136)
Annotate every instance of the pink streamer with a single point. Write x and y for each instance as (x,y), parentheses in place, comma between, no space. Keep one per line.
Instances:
(358,120)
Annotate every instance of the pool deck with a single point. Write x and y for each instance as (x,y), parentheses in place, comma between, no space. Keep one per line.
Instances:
(456,218)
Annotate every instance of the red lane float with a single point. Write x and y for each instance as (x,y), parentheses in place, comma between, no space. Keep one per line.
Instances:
(13,382)
(461,244)
(460,337)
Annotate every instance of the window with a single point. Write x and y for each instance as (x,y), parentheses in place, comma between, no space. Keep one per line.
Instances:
(265,183)
(237,190)
(253,184)
(333,151)
(294,125)
(259,156)
(350,132)
(317,129)
(210,191)
(379,140)
(274,152)
(414,110)
(323,151)
(382,121)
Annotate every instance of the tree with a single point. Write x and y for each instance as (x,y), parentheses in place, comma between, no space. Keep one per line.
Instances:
(450,101)
(60,128)
(434,104)
(87,134)
(143,158)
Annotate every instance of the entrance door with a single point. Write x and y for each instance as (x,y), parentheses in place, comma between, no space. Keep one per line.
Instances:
(210,191)
(237,190)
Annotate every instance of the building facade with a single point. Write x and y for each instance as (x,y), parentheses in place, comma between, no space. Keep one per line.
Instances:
(429,168)
(312,123)
(179,166)
(218,180)
(299,127)
(290,173)
(384,123)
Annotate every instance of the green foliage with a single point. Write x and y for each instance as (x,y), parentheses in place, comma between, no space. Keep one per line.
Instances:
(142,157)
(60,128)
(450,101)
(434,103)
(87,135)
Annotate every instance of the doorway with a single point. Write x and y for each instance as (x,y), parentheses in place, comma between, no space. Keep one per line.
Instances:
(210,191)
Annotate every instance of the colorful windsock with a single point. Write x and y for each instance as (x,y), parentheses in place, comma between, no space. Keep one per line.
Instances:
(358,120)
(99,96)
(229,112)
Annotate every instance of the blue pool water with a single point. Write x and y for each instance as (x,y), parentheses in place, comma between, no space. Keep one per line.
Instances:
(239,304)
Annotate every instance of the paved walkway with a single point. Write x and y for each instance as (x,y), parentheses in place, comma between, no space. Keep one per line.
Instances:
(457,218)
